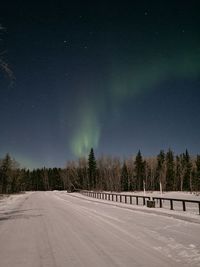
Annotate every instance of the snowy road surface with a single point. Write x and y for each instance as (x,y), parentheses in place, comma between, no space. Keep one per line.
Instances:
(57,229)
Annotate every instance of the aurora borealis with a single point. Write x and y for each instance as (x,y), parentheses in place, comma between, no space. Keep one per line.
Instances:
(115,77)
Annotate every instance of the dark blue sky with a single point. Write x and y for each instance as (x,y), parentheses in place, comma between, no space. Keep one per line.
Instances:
(115,77)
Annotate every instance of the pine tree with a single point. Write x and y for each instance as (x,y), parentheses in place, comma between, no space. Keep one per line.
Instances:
(187,171)
(178,172)
(170,171)
(197,173)
(160,170)
(139,171)
(92,170)
(124,178)
(5,173)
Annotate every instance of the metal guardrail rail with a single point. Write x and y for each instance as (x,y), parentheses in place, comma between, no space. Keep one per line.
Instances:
(172,200)
(128,199)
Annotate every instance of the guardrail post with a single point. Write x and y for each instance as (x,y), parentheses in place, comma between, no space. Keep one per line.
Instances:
(112,197)
(136,200)
(199,208)
(171,204)
(143,201)
(160,203)
(130,199)
(125,199)
(184,208)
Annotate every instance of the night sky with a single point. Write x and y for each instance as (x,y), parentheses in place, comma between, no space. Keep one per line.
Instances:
(117,77)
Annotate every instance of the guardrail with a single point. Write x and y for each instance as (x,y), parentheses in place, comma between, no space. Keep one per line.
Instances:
(172,200)
(136,199)
(128,199)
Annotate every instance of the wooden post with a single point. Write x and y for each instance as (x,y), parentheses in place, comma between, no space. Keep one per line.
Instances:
(143,201)
(184,208)
(136,200)
(171,204)
(130,199)
(125,199)
(160,203)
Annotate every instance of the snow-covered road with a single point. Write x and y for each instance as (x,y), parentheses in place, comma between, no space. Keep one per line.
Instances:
(57,229)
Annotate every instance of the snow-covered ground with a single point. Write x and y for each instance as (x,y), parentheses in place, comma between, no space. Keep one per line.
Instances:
(58,229)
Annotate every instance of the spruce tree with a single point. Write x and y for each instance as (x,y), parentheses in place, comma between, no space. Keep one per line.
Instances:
(92,169)
(5,173)
(170,171)
(139,171)
(124,178)
(187,171)
(160,170)
(197,173)
(178,173)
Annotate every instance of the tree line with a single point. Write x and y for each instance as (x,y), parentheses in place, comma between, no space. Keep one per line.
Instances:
(172,172)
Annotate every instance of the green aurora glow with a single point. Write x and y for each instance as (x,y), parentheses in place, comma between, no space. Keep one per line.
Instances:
(134,80)
(87,134)
(130,81)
